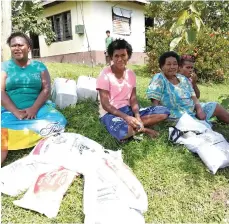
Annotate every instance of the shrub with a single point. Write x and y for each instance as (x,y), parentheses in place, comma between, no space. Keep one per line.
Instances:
(211,50)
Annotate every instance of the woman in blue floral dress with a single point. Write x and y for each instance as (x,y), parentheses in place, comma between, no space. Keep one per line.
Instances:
(174,91)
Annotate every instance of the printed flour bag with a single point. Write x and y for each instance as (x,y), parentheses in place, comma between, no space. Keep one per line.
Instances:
(110,189)
(19,175)
(46,194)
(214,155)
(212,147)
(66,149)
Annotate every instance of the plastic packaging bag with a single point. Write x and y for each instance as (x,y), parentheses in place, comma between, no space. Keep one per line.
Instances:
(86,88)
(212,147)
(46,194)
(64,92)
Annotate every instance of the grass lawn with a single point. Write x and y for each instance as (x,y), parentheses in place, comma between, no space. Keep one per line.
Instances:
(178,185)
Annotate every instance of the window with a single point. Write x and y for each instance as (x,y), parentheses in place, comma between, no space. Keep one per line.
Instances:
(61,25)
(121,19)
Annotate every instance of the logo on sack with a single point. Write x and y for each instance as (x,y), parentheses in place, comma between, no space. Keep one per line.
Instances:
(51,129)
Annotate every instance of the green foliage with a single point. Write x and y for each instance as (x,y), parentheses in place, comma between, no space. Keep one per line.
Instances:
(182,18)
(186,18)
(158,42)
(215,14)
(210,49)
(225,101)
(26,17)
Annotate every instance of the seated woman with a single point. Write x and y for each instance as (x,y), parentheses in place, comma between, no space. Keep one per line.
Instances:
(174,91)
(119,110)
(187,69)
(26,115)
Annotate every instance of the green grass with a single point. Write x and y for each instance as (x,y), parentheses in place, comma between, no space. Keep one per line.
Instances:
(178,184)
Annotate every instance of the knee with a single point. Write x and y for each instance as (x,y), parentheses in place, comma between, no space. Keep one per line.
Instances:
(3,155)
(163,117)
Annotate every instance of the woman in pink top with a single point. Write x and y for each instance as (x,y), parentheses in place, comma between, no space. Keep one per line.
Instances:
(119,110)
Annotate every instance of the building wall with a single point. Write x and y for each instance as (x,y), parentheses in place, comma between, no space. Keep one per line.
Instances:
(97,17)
(78,42)
(89,58)
(102,11)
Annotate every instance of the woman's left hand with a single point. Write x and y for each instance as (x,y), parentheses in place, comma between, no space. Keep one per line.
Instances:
(200,114)
(31,113)
(141,125)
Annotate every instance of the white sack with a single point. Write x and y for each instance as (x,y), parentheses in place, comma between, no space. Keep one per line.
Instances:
(64,92)
(212,147)
(86,88)
(47,192)
(70,150)
(112,185)
(19,175)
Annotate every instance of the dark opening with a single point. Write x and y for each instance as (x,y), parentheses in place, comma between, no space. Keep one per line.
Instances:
(149,22)
(36,47)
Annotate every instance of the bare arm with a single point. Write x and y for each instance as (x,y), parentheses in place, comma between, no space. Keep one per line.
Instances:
(194,85)
(199,112)
(134,102)
(45,92)
(6,101)
(104,99)
(196,89)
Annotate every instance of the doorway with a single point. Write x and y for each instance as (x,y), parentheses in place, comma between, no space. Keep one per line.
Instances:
(36,46)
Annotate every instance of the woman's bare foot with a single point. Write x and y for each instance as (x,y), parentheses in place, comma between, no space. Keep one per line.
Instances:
(151,133)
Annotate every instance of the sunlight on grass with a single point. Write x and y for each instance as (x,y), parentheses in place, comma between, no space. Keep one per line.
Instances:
(178,185)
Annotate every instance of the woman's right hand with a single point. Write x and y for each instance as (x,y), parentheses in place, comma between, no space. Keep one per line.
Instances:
(133,122)
(194,78)
(200,114)
(20,114)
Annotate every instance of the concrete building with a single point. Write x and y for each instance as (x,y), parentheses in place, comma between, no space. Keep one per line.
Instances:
(80,29)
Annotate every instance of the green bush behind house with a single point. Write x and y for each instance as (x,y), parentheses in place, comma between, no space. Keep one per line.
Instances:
(211,50)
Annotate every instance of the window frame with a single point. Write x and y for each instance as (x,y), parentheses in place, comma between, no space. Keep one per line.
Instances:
(61,35)
(122,18)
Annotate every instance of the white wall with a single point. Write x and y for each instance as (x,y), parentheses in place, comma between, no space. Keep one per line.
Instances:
(102,20)
(78,42)
(97,19)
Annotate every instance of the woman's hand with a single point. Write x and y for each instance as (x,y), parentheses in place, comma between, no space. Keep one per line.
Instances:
(20,114)
(133,122)
(200,114)
(30,112)
(194,78)
(140,127)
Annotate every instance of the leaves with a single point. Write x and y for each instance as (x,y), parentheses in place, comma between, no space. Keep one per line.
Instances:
(26,17)
(190,35)
(175,42)
(198,23)
(193,9)
(183,17)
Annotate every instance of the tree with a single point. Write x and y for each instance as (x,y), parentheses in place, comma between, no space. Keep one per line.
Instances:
(26,17)
(5,28)
(185,18)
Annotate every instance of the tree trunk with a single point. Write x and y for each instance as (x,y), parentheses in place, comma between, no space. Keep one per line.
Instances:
(6,28)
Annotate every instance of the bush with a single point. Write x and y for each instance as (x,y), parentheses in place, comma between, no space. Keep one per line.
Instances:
(210,49)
